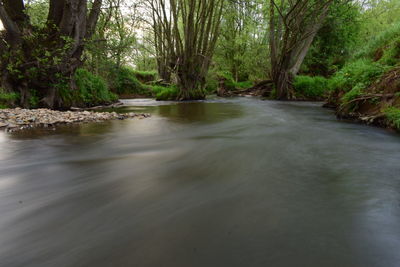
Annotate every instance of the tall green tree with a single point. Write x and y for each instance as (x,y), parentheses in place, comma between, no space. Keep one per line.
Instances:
(37,59)
(186,32)
(335,41)
(243,39)
(292,28)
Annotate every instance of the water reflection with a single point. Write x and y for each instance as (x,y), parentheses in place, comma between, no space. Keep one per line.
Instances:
(241,182)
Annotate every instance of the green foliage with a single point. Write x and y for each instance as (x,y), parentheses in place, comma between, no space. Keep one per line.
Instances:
(244,84)
(393,115)
(378,17)
(334,42)
(92,90)
(229,82)
(145,76)
(310,87)
(127,83)
(391,56)
(7,99)
(355,92)
(37,11)
(211,86)
(360,73)
(383,41)
(165,93)
(34,99)
(242,47)
(227,77)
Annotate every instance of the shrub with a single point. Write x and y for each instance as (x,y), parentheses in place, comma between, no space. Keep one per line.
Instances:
(382,41)
(34,99)
(127,83)
(393,115)
(391,55)
(211,85)
(228,80)
(7,99)
(165,93)
(211,82)
(311,87)
(360,71)
(244,84)
(144,76)
(92,90)
(355,92)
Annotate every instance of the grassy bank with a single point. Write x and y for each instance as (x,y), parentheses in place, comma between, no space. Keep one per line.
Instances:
(367,88)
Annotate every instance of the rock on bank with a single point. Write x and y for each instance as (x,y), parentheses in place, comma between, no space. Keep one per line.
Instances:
(18,119)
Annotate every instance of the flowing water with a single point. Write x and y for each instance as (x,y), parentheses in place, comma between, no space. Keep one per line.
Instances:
(239,182)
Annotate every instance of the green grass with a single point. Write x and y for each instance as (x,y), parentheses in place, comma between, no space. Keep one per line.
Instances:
(391,55)
(244,84)
(382,41)
(128,83)
(311,87)
(355,92)
(393,115)
(165,93)
(145,76)
(230,84)
(362,72)
(368,65)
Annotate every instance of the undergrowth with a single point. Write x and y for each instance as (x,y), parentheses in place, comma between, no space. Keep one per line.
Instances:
(165,92)
(310,87)
(7,99)
(393,115)
(92,90)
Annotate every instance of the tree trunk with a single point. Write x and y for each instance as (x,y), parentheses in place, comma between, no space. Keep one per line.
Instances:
(291,32)
(185,34)
(191,86)
(39,62)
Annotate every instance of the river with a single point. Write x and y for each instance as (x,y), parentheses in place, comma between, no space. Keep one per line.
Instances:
(234,182)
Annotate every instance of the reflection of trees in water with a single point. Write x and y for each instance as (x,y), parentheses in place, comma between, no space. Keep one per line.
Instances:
(206,112)
(87,133)
(65,131)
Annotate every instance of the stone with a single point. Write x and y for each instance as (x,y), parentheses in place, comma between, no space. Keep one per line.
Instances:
(15,119)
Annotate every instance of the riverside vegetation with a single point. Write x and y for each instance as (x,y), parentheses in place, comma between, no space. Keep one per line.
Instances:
(346,53)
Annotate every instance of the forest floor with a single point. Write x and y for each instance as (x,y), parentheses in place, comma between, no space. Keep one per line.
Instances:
(17,119)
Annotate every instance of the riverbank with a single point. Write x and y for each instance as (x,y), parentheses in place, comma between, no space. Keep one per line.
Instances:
(18,119)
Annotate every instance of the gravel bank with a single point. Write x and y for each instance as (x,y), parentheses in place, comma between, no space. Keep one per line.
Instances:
(18,119)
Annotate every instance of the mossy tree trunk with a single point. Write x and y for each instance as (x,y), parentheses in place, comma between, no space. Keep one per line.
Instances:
(39,62)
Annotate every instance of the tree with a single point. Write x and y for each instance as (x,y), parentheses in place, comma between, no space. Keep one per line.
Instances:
(41,60)
(292,28)
(115,37)
(185,33)
(335,41)
(243,38)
